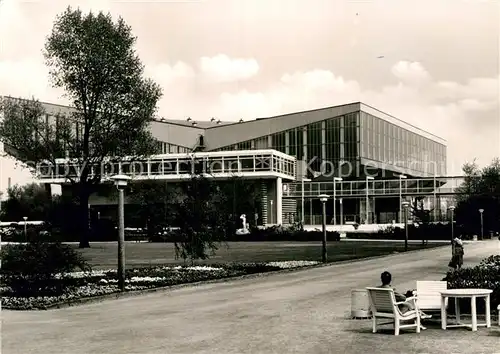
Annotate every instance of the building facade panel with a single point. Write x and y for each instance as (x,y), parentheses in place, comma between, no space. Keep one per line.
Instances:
(223,136)
(332,140)
(396,146)
(176,134)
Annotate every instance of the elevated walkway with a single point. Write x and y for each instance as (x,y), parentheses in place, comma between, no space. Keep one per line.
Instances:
(425,186)
(252,164)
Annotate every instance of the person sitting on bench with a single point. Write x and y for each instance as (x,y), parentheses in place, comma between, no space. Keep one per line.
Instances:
(386,279)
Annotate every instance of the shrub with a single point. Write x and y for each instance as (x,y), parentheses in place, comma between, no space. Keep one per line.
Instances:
(435,232)
(485,276)
(491,262)
(15,233)
(273,233)
(39,268)
(280,233)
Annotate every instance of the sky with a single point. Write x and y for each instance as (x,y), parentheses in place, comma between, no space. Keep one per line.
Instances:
(432,63)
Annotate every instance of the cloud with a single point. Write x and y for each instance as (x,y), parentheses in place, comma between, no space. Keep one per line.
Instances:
(28,78)
(411,72)
(222,68)
(166,75)
(464,113)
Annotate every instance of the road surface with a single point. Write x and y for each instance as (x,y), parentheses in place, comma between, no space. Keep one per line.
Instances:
(298,312)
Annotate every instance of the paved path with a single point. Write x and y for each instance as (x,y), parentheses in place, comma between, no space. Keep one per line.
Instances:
(299,312)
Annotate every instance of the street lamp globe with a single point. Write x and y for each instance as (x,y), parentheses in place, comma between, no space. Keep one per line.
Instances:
(323,198)
(121,181)
(405,204)
(452,207)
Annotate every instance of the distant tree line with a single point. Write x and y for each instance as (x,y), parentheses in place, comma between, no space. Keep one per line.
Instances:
(480,190)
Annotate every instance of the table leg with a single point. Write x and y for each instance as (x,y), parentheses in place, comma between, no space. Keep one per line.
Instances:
(443,312)
(474,313)
(457,310)
(488,311)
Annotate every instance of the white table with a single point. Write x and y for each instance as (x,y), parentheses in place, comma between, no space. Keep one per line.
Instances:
(472,294)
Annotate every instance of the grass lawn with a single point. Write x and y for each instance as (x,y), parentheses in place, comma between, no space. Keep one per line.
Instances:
(104,255)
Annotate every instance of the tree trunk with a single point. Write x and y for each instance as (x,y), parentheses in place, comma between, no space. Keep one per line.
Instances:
(83,216)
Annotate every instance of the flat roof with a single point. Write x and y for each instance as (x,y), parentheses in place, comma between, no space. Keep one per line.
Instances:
(203,124)
(53,108)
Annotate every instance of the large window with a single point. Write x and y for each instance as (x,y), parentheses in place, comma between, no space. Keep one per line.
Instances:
(246,145)
(314,145)
(333,141)
(351,137)
(394,145)
(279,141)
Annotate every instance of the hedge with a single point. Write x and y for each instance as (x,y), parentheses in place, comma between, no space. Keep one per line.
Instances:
(485,276)
(432,232)
(274,233)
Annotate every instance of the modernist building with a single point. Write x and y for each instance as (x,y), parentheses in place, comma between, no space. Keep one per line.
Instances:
(349,141)
(298,155)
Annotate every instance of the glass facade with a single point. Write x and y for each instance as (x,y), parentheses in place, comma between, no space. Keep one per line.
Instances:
(393,145)
(354,136)
(166,148)
(331,140)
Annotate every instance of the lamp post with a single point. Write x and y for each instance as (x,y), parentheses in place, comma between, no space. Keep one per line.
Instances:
(405,205)
(341,212)
(272,215)
(335,179)
(25,231)
(121,182)
(452,208)
(367,201)
(401,177)
(482,228)
(323,198)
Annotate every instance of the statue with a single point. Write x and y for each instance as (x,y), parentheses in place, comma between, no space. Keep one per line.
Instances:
(244,230)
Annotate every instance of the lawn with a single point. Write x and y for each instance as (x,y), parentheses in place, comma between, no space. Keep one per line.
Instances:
(104,255)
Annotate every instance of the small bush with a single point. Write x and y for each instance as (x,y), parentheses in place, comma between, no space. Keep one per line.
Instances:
(279,233)
(491,261)
(434,232)
(15,233)
(39,268)
(484,276)
(273,233)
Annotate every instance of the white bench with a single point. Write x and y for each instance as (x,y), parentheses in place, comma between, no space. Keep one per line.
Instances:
(383,305)
(429,296)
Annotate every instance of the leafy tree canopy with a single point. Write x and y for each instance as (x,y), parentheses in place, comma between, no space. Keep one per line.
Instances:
(91,57)
(31,200)
(480,190)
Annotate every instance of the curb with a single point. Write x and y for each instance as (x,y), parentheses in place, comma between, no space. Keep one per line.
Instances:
(133,293)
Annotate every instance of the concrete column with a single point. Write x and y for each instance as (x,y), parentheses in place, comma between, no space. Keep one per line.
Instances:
(263,189)
(342,147)
(304,143)
(279,201)
(287,142)
(323,140)
(362,211)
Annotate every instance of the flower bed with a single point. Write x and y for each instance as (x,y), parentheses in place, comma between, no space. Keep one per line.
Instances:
(84,285)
